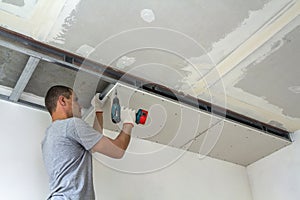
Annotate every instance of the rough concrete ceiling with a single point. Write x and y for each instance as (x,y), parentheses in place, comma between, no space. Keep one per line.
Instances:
(12,64)
(238,54)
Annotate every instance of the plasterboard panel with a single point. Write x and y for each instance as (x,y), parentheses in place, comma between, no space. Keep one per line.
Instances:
(168,122)
(236,143)
(180,126)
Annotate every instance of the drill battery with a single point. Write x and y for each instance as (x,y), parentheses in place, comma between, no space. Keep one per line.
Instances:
(141,116)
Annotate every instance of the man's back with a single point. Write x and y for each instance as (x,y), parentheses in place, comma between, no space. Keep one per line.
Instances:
(67,158)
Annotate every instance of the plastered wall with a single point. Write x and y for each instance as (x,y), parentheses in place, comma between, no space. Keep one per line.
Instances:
(21,170)
(187,178)
(23,175)
(277,176)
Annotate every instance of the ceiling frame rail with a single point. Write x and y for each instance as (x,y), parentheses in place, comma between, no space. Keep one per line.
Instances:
(31,65)
(66,59)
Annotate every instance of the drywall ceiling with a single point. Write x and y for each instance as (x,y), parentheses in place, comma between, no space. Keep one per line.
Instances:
(239,55)
(174,124)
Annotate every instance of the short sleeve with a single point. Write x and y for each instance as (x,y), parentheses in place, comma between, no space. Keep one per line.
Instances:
(84,133)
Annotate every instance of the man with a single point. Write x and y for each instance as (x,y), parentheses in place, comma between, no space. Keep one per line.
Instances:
(69,142)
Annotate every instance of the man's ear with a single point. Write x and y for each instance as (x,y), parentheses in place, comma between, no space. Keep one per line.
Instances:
(62,100)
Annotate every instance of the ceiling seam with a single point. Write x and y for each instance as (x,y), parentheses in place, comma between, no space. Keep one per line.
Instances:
(199,134)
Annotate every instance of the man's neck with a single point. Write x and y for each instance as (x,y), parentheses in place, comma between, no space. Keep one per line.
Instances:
(58,116)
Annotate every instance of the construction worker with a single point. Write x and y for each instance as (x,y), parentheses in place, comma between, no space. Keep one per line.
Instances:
(69,142)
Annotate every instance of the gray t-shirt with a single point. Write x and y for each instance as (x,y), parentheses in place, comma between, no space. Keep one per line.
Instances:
(68,160)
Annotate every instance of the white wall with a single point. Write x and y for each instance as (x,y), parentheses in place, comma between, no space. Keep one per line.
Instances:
(23,175)
(188,178)
(277,176)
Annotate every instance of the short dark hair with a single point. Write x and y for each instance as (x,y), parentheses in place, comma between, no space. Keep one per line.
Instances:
(52,96)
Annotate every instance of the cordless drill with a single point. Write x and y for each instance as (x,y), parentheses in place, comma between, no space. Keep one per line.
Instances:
(140,116)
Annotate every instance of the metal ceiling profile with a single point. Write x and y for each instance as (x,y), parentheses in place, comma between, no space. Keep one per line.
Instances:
(38,51)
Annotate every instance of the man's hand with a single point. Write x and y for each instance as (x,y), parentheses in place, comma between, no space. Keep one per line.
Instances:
(97,103)
(127,116)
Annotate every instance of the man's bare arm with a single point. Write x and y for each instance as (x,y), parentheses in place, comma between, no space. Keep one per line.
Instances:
(114,148)
(98,122)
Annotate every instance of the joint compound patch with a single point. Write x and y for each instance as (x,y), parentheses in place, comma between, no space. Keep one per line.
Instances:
(18,8)
(85,50)
(295,89)
(125,61)
(15,2)
(147,15)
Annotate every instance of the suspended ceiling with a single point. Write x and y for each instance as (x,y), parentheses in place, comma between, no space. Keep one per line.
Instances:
(179,126)
(241,56)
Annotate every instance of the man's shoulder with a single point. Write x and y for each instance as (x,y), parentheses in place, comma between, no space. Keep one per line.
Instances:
(76,120)
(70,120)
(64,124)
